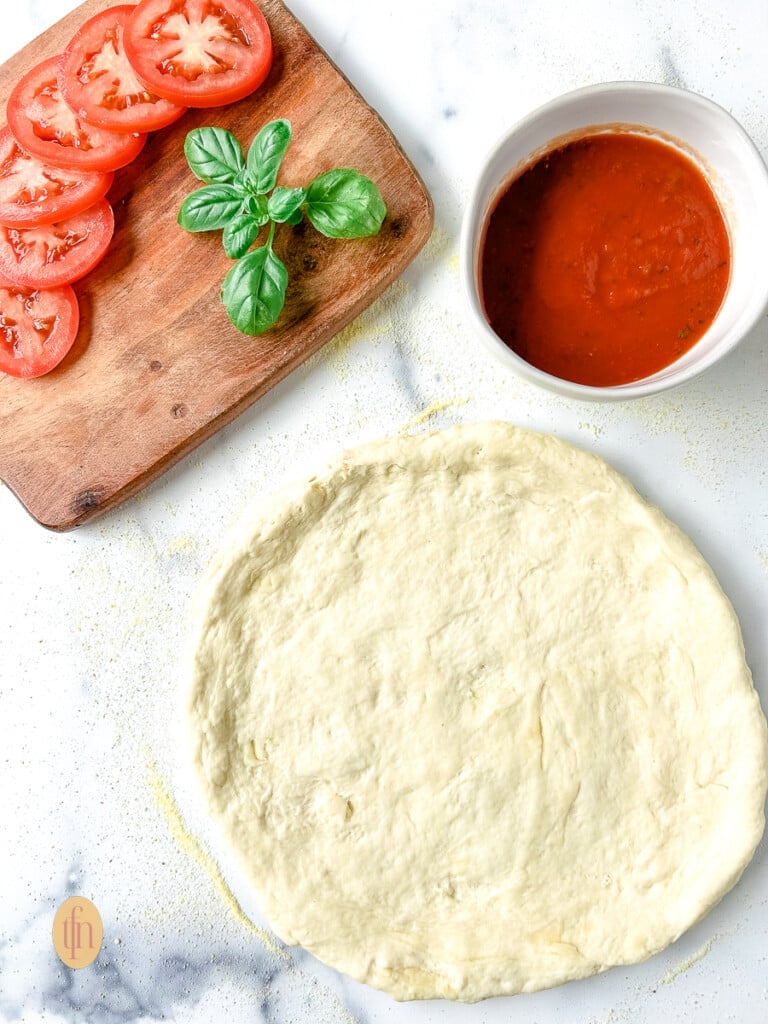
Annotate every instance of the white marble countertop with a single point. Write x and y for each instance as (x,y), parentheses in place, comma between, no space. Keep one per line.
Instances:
(95,798)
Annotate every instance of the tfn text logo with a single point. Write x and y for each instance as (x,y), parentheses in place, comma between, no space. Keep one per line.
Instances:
(77,932)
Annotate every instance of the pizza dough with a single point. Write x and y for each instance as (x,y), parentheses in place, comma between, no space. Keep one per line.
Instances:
(475,717)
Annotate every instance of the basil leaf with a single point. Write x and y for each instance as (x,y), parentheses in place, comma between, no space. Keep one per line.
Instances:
(239,235)
(266,154)
(254,290)
(210,207)
(213,154)
(345,204)
(284,203)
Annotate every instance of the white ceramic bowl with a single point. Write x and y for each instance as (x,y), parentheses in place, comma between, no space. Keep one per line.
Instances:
(721,149)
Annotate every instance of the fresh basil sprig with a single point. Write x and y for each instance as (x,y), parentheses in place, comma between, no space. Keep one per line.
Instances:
(241,196)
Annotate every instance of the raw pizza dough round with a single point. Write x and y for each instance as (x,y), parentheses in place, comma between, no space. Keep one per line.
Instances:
(476,717)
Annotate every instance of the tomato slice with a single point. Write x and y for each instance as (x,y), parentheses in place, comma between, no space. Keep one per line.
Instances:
(201,53)
(43,124)
(37,328)
(33,192)
(100,86)
(54,254)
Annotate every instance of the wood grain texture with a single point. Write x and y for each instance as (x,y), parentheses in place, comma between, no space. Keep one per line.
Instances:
(157,368)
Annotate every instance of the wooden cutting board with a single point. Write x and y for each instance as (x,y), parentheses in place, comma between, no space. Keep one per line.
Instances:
(157,367)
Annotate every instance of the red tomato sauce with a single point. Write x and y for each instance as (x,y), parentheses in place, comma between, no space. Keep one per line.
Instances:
(606,260)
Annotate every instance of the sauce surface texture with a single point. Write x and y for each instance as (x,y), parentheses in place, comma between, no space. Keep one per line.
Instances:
(606,260)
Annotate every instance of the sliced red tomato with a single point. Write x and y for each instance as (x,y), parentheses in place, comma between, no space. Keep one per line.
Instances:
(54,254)
(37,328)
(100,86)
(201,53)
(43,124)
(33,192)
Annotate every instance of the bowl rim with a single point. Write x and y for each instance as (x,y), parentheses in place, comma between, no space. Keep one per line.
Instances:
(474,216)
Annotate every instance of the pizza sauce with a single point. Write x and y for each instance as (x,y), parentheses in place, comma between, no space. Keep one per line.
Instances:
(605,260)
